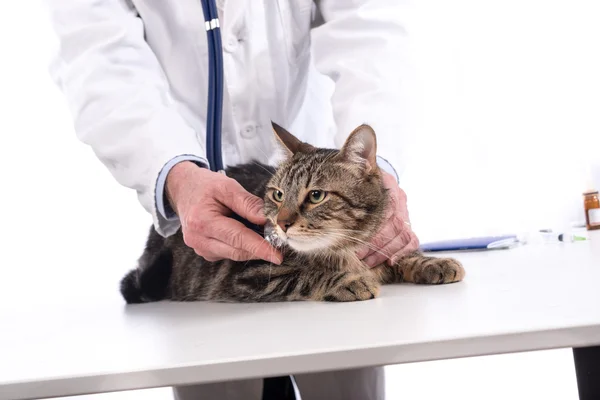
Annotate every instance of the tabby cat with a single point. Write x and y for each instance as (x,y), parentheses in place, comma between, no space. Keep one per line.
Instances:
(320,204)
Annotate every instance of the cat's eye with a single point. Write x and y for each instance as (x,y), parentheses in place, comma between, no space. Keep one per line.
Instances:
(278,196)
(317,196)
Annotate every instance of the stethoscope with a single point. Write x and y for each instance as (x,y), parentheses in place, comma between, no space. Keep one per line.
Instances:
(214,112)
(276,387)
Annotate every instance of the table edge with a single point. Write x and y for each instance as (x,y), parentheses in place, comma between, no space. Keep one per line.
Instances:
(314,362)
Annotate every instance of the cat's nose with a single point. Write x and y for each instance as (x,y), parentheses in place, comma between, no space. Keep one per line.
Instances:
(285,224)
(286,218)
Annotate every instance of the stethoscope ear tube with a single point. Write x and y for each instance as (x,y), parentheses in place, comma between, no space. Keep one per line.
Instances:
(214,110)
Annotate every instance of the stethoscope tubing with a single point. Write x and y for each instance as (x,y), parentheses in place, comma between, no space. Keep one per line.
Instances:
(214,115)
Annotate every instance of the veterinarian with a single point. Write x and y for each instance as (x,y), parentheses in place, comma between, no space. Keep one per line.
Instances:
(135,75)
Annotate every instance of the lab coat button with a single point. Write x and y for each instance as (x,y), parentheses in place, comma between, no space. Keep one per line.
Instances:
(231,45)
(248,132)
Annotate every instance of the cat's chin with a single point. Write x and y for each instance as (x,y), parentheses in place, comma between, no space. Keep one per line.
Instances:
(306,245)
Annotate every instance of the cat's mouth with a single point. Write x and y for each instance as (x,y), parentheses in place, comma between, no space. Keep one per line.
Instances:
(301,242)
(274,238)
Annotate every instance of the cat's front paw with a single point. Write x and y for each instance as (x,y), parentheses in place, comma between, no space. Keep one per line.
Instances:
(440,270)
(354,288)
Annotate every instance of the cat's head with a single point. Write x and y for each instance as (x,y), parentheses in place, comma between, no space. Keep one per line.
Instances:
(322,200)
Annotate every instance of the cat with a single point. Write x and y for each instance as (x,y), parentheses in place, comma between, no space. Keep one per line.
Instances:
(320,205)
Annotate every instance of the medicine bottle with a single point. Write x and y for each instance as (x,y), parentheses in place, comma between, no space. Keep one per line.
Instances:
(591,205)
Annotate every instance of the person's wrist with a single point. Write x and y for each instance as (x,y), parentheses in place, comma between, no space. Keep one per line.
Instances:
(177,180)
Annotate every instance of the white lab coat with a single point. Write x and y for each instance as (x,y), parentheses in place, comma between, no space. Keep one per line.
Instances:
(134,73)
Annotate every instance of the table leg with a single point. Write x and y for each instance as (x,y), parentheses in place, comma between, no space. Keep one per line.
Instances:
(587,369)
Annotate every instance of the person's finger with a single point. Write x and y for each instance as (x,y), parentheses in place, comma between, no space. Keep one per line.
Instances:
(390,229)
(363,252)
(380,240)
(376,244)
(245,204)
(382,237)
(214,250)
(411,246)
(236,235)
(393,247)
(376,258)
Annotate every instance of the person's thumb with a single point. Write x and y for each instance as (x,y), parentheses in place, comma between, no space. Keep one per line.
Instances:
(243,203)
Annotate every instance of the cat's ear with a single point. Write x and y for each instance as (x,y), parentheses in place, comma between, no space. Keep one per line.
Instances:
(361,147)
(290,143)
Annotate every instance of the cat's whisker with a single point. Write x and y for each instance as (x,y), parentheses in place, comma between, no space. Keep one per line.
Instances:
(271,173)
(356,231)
(257,147)
(350,238)
(270,270)
(252,254)
(326,159)
(356,240)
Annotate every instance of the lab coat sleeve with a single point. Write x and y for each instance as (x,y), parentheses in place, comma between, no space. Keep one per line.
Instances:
(119,98)
(363,46)
(162,205)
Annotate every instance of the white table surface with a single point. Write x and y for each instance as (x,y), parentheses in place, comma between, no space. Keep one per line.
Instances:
(528,298)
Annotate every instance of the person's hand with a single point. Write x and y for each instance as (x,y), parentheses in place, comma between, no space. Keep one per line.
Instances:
(203,200)
(395,237)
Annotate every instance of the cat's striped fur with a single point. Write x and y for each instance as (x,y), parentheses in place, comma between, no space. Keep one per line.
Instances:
(319,239)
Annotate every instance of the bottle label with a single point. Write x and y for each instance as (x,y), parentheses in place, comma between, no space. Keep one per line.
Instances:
(594,216)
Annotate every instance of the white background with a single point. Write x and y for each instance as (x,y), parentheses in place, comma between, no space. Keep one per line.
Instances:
(511,93)
(508,128)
